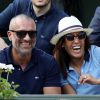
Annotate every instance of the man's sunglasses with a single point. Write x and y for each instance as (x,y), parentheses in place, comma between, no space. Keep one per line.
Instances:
(70,36)
(21,33)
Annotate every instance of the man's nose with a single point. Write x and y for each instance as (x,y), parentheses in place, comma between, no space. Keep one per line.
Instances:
(27,37)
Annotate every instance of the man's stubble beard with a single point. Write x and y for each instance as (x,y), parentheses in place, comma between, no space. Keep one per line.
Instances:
(24,54)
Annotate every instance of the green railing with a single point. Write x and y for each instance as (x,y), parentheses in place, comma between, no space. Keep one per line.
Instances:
(58,97)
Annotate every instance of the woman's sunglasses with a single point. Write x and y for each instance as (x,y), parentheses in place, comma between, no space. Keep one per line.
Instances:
(70,36)
(21,33)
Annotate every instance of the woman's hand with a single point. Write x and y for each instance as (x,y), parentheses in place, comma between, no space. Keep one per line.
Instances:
(87,78)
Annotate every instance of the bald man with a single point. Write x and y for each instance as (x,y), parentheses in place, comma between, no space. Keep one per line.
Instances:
(36,72)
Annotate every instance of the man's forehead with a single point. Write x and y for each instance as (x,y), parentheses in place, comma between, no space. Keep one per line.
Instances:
(17,24)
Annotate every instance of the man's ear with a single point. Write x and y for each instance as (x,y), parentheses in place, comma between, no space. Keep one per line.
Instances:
(9,35)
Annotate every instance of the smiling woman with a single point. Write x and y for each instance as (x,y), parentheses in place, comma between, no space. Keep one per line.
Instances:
(80,72)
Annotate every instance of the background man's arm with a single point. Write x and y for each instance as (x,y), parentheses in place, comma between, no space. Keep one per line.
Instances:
(2,44)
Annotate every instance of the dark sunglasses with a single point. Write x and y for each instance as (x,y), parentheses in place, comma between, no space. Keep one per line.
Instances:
(21,33)
(70,36)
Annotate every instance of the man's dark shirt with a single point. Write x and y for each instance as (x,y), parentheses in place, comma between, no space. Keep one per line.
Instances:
(46,24)
(41,71)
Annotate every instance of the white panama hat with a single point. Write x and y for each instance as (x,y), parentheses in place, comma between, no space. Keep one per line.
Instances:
(68,25)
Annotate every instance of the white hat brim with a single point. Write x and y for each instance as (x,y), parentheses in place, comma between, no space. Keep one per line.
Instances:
(56,38)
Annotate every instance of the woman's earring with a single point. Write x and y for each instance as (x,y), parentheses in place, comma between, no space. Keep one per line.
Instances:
(63,46)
